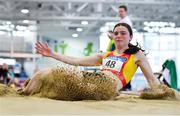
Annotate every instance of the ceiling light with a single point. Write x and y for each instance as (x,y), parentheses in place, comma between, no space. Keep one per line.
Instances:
(79,29)
(12,26)
(25,21)
(84,22)
(171,24)
(21,28)
(74,35)
(8,22)
(24,11)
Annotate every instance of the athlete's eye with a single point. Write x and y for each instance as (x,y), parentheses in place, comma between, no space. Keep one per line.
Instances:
(115,33)
(122,33)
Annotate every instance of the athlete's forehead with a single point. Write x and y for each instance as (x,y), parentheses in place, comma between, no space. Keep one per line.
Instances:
(121,28)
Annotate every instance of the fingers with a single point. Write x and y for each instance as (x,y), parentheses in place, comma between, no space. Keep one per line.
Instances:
(46,45)
(41,47)
(39,51)
(38,48)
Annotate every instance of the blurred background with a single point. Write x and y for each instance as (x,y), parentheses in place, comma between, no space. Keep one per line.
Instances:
(80,28)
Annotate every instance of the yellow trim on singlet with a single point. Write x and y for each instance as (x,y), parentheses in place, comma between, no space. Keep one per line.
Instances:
(130,68)
(106,54)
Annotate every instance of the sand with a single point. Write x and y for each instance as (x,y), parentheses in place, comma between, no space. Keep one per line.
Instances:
(13,104)
(122,105)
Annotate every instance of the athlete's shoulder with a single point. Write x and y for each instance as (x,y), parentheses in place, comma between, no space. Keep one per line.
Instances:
(106,54)
(140,56)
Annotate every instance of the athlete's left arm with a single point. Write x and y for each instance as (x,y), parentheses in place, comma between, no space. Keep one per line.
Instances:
(143,63)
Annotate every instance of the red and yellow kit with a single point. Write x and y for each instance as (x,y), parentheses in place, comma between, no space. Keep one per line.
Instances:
(123,66)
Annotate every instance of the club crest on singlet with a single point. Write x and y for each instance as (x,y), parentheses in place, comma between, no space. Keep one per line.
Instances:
(114,63)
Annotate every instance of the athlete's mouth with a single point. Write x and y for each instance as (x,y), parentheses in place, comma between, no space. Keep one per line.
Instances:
(119,39)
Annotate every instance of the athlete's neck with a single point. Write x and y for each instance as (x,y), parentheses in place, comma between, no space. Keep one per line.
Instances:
(121,50)
(122,17)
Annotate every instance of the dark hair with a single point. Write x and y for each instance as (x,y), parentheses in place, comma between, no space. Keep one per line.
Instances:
(124,7)
(125,25)
(133,49)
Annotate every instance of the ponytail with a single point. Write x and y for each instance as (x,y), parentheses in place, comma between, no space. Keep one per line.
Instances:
(133,49)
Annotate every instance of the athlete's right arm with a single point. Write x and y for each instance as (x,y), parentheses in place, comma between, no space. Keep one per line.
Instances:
(93,60)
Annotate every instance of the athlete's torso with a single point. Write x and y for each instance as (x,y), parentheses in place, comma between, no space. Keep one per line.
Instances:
(123,66)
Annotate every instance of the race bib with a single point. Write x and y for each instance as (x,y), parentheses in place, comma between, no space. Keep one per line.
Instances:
(113,63)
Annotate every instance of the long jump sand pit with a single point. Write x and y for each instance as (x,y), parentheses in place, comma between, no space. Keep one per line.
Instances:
(122,105)
(12,103)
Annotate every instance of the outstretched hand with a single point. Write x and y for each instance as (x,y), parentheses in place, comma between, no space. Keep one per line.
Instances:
(42,48)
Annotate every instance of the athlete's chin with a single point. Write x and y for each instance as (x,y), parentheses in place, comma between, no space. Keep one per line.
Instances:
(120,45)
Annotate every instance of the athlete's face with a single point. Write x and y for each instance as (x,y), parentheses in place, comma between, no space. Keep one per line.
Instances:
(121,36)
(122,12)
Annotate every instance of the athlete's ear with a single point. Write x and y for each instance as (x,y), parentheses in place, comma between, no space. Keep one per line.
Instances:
(130,38)
(112,35)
